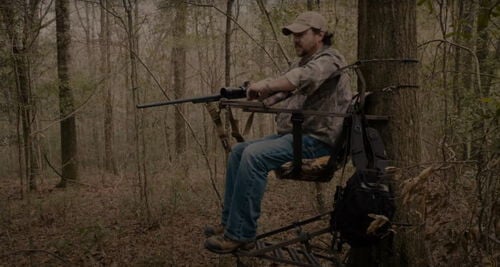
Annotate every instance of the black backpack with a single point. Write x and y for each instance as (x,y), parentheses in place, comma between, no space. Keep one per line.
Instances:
(363,195)
(368,191)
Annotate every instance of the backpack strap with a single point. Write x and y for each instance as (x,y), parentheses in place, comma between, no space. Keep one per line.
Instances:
(358,151)
(367,147)
(378,154)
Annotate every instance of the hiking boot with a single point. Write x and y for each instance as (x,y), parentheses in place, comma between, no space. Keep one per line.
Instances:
(211,230)
(222,245)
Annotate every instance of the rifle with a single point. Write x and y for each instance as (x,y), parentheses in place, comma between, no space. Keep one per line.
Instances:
(225,92)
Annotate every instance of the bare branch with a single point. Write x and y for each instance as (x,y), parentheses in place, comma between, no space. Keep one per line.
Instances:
(55,121)
(478,72)
(264,10)
(242,29)
(51,166)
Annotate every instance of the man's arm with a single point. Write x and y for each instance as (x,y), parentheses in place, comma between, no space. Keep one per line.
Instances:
(310,76)
(306,78)
(263,89)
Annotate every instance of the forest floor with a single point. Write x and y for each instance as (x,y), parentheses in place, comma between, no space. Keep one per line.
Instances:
(101,221)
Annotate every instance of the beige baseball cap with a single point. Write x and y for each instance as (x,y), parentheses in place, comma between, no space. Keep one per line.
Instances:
(304,21)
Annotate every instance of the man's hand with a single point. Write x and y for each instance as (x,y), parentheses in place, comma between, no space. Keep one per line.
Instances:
(259,90)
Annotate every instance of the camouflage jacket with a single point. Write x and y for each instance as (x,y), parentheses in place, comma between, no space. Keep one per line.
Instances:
(316,90)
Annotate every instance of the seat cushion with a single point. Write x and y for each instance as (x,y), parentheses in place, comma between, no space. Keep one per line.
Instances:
(314,170)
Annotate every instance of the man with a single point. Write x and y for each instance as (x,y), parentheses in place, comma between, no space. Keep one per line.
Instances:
(308,85)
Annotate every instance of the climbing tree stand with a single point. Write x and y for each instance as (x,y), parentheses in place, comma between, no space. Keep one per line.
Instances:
(300,250)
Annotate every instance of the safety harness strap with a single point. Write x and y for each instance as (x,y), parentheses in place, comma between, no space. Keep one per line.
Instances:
(235,131)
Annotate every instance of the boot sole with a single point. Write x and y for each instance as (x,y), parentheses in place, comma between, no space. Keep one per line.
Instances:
(247,246)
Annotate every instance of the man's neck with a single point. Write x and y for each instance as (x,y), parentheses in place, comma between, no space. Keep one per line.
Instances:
(308,56)
(314,51)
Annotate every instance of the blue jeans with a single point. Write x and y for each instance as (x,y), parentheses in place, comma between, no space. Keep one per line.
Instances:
(246,179)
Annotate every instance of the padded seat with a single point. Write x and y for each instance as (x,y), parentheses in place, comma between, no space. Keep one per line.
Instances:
(312,170)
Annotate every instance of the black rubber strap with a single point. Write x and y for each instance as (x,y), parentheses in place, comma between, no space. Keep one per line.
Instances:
(297,120)
(340,148)
(379,157)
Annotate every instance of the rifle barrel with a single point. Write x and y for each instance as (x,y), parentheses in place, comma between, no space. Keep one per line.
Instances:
(202,99)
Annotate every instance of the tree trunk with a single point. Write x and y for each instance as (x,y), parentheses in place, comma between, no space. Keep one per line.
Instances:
(464,65)
(486,65)
(26,107)
(387,29)
(487,185)
(131,11)
(227,62)
(202,78)
(179,66)
(109,159)
(69,160)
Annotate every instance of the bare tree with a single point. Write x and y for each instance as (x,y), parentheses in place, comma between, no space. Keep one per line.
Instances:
(131,10)
(109,159)
(462,82)
(22,27)
(179,66)
(488,59)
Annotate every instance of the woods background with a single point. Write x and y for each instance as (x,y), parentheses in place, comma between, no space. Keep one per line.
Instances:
(88,179)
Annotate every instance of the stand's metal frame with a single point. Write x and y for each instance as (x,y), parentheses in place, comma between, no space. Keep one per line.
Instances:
(297,251)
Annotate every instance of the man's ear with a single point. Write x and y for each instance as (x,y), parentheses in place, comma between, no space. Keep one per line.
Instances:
(321,35)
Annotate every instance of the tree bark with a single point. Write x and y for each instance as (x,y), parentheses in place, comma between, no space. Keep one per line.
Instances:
(387,29)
